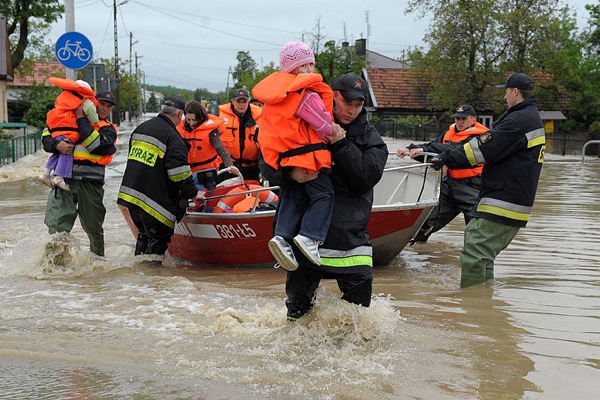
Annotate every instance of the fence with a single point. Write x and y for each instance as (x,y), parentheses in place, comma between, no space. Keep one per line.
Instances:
(13,149)
(558,143)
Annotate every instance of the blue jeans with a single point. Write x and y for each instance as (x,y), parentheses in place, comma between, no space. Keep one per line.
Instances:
(305,208)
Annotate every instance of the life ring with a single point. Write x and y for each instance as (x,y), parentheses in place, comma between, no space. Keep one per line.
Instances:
(229,202)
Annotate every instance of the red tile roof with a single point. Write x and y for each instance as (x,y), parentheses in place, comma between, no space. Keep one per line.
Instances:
(29,73)
(399,88)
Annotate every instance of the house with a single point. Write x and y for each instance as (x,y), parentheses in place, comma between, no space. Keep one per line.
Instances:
(398,91)
(29,73)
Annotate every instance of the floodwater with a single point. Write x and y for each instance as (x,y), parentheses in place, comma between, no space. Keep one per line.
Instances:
(118,328)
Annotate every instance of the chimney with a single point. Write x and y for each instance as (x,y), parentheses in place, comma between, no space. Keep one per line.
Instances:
(361,47)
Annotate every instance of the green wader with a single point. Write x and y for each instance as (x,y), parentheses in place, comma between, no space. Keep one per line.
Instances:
(85,200)
(484,240)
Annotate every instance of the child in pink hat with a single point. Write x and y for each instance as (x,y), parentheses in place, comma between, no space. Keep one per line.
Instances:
(295,125)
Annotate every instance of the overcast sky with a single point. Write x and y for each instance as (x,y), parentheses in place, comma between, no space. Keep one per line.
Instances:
(192,44)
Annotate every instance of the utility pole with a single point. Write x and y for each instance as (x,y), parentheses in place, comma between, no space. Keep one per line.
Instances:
(131,43)
(117,112)
(70,27)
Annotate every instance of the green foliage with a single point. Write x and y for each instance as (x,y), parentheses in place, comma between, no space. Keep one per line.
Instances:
(24,17)
(471,51)
(335,60)
(594,127)
(152,104)
(407,125)
(41,100)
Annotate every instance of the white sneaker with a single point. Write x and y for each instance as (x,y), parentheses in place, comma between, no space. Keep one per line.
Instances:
(283,253)
(309,247)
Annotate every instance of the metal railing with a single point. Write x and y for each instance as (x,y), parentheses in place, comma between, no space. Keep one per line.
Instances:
(585,146)
(13,149)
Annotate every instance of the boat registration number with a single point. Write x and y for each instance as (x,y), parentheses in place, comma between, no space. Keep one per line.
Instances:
(235,231)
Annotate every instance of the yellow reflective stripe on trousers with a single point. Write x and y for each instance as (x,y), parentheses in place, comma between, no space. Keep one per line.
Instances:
(359,256)
(504,209)
(354,261)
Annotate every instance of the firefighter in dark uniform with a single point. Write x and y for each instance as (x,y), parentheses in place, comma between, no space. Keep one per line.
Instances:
(512,154)
(460,187)
(359,155)
(157,182)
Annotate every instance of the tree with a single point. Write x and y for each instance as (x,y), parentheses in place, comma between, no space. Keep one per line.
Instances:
(337,59)
(476,43)
(244,70)
(23,17)
(152,104)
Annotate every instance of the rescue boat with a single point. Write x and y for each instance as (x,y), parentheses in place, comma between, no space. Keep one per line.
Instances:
(403,200)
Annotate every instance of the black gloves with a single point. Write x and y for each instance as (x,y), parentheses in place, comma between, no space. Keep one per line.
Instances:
(436,163)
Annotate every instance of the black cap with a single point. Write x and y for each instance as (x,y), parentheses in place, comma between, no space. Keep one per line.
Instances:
(106,96)
(519,80)
(241,93)
(174,101)
(464,110)
(351,87)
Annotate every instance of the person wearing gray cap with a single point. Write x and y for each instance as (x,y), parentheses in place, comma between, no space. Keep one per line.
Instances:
(359,155)
(157,181)
(240,135)
(512,154)
(460,187)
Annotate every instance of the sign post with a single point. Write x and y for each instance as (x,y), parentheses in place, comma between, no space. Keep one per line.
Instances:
(73,50)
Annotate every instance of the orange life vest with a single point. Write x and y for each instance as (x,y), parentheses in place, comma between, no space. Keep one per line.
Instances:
(231,136)
(202,154)
(81,152)
(455,137)
(281,131)
(229,203)
(62,122)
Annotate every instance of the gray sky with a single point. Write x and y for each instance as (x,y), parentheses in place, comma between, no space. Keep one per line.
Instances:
(192,44)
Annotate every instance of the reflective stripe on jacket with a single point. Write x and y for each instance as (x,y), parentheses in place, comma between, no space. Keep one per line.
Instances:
(157,176)
(513,154)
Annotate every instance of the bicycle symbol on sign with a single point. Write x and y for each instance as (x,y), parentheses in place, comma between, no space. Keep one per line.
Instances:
(73,50)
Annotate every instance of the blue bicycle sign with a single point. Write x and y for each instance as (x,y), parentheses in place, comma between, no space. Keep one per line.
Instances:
(73,50)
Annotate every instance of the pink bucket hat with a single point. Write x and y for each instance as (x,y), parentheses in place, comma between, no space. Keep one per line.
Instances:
(295,54)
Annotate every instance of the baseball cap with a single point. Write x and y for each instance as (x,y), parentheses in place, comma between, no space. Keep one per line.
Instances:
(106,96)
(241,93)
(519,80)
(174,101)
(464,110)
(351,87)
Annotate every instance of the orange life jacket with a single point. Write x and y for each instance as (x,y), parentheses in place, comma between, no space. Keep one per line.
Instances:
(231,136)
(61,120)
(81,152)
(455,137)
(285,140)
(202,154)
(230,202)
